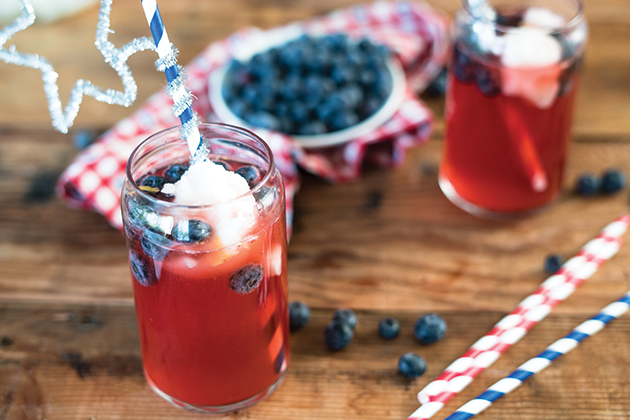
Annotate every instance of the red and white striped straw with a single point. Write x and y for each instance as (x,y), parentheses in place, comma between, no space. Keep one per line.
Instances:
(514,326)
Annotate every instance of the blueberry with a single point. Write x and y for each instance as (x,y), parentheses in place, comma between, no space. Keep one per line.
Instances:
(411,365)
(345,316)
(553,263)
(389,328)
(320,61)
(488,81)
(352,95)
(429,328)
(342,74)
(337,335)
(299,113)
(356,58)
(291,88)
(313,128)
(282,109)
(370,106)
(613,180)
(437,87)
(366,77)
(344,120)
(250,173)
(175,172)
(327,109)
(142,269)
(82,138)
(299,315)
(225,165)
(238,107)
(247,279)
(251,93)
(511,20)
(383,84)
(337,42)
(463,66)
(191,231)
(153,182)
(292,58)
(154,245)
(587,185)
(263,120)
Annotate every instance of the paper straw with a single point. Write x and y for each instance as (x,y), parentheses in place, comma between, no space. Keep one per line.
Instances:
(514,326)
(167,63)
(526,149)
(544,359)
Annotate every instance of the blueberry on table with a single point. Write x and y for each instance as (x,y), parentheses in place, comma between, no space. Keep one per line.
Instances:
(429,328)
(247,279)
(553,263)
(154,182)
(299,315)
(142,269)
(175,172)
(82,138)
(337,335)
(154,245)
(587,185)
(345,316)
(191,231)
(250,173)
(613,180)
(389,328)
(411,365)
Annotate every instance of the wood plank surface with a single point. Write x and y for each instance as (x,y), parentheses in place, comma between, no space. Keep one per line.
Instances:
(388,244)
(77,362)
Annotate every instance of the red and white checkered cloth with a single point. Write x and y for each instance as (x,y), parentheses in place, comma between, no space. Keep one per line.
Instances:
(414,31)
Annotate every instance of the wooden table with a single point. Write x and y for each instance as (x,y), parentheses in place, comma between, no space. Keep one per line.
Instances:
(390,244)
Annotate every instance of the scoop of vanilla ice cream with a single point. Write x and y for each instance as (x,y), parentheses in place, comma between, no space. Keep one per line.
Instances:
(231,213)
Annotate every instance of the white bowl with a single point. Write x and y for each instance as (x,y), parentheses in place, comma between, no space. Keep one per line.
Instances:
(387,110)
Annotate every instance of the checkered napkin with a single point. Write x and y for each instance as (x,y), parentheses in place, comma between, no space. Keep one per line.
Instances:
(415,32)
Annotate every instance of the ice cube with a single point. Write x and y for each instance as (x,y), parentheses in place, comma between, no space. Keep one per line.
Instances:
(542,18)
(530,47)
(531,66)
(232,211)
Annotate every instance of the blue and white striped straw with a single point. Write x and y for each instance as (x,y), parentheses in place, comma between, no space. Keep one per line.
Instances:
(544,359)
(182,98)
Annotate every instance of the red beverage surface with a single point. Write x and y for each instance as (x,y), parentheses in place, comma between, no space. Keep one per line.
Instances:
(202,342)
(494,143)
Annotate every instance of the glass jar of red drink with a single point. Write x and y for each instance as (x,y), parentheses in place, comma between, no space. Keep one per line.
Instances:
(208,267)
(511,88)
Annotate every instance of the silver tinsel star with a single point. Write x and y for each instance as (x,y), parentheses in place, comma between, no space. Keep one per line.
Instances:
(116,58)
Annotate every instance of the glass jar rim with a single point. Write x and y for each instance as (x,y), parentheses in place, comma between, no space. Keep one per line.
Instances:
(264,179)
(575,20)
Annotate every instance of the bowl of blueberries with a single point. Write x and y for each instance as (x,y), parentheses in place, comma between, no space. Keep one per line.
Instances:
(320,90)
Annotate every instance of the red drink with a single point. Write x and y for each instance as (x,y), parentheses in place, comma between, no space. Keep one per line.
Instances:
(507,126)
(212,313)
